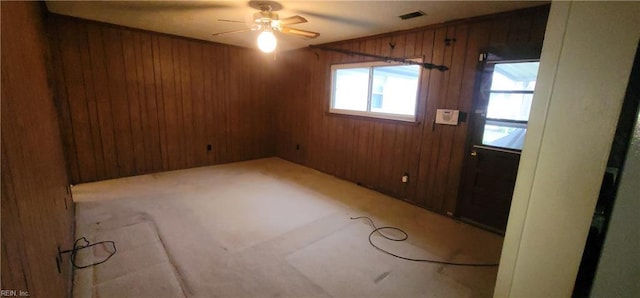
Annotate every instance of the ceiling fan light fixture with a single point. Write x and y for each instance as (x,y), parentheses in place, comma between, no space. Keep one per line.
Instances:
(267,42)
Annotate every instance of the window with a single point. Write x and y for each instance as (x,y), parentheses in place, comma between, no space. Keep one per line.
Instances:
(510,97)
(375,89)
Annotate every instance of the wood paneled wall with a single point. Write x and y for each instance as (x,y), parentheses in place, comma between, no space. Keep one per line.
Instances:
(134,102)
(37,210)
(376,153)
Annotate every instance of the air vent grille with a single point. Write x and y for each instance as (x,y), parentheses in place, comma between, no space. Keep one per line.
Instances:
(412,15)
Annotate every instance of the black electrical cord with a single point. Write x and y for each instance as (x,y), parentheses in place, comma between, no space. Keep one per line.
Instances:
(87,244)
(405,237)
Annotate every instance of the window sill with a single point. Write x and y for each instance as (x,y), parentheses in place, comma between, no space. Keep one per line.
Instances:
(377,117)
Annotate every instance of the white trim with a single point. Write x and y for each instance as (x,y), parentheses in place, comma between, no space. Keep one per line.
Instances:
(399,117)
(498,149)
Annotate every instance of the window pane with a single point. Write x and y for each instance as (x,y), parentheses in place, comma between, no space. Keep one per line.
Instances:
(351,89)
(519,76)
(394,89)
(510,106)
(504,134)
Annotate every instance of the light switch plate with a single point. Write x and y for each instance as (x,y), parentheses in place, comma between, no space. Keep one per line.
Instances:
(448,117)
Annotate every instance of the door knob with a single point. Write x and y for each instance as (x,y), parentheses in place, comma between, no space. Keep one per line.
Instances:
(474,153)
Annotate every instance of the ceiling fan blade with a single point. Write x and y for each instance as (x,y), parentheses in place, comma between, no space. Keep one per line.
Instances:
(335,18)
(303,33)
(229,32)
(231,21)
(292,20)
(168,5)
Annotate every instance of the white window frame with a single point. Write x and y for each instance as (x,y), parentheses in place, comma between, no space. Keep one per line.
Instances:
(369,113)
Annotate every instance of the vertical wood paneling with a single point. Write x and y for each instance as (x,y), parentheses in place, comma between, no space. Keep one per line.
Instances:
(154,70)
(102,93)
(499,31)
(134,102)
(520,27)
(234,124)
(208,77)
(196,80)
(76,108)
(148,107)
(477,38)
(15,269)
(92,105)
(222,100)
(176,109)
(64,114)
(187,105)
(376,153)
(412,158)
(36,208)
(120,107)
(539,25)
(451,101)
(432,133)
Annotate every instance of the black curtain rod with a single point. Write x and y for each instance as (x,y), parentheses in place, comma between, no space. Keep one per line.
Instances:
(400,60)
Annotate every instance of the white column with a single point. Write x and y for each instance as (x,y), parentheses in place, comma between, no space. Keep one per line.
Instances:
(586,59)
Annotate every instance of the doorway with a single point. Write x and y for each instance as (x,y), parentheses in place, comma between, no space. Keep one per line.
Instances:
(498,127)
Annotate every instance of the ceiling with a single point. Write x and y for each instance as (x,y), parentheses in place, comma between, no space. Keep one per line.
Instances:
(334,20)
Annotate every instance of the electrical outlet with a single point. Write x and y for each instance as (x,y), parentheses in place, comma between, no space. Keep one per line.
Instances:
(405,178)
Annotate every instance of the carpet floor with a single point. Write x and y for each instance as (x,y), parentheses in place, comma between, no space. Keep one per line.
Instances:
(268,228)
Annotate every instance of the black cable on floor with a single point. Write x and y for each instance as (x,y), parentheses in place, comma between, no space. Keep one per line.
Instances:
(77,247)
(405,237)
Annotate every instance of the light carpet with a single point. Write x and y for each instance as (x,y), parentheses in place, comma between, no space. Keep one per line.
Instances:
(268,228)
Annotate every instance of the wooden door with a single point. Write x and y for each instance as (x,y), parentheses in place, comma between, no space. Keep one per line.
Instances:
(498,126)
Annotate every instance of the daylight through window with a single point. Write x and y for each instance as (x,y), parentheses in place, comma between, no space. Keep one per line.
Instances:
(375,89)
(510,98)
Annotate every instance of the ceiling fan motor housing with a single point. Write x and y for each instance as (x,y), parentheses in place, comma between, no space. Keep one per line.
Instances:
(266,20)
(265,17)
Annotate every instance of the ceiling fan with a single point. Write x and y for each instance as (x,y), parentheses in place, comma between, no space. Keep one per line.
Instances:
(267,21)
